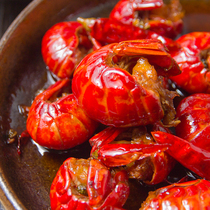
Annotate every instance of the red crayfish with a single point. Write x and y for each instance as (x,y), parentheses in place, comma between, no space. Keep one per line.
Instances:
(58,123)
(63,47)
(191,146)
(88,184)
(193,60)
(65,44)
(119,67)
(108,93)
(106,31)
(188,195)
(135,150)
(154,15)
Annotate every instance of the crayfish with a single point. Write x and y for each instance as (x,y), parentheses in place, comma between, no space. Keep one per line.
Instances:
(88,184)
(118,71)
(63,47)
(193,60)
(135,150)
(191,145)
(120,85)
(58,123)
(188,195)
(155,15)
(65,44)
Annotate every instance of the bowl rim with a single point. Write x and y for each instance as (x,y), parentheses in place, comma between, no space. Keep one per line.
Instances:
(8,198)
(21,16)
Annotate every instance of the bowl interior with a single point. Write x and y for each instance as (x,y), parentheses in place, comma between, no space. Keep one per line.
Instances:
(26,178)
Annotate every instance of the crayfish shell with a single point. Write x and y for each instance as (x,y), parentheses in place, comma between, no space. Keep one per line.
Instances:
(61,124)
(189,195)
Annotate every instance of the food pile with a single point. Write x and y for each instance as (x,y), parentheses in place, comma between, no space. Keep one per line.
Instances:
(114,78)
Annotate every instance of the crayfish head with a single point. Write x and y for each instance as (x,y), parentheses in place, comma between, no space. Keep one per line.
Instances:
(147,76)
(171,12)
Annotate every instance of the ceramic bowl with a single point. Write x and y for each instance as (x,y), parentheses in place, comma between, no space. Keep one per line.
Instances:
(25,179)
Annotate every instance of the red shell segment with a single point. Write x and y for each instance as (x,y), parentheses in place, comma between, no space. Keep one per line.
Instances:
(188,195)
(63,47)
(193,60)
(61,124)
(188,154)
(88,184)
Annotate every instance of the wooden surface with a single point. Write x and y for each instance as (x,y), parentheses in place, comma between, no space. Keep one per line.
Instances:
(9,10)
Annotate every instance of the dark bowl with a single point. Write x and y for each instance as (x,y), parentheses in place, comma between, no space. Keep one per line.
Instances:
(25,179)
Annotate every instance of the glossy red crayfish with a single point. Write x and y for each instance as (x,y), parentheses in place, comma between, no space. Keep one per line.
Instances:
(120,84)
(188,195)
(135,150)
(88,184)
(106,31)
(191,145)
(193,60)
(58,123)
(63,47)
(164,19)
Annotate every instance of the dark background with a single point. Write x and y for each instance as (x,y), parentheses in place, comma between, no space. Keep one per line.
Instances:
(9,10)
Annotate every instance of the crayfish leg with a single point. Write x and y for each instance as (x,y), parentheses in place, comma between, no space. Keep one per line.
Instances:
(189,155)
